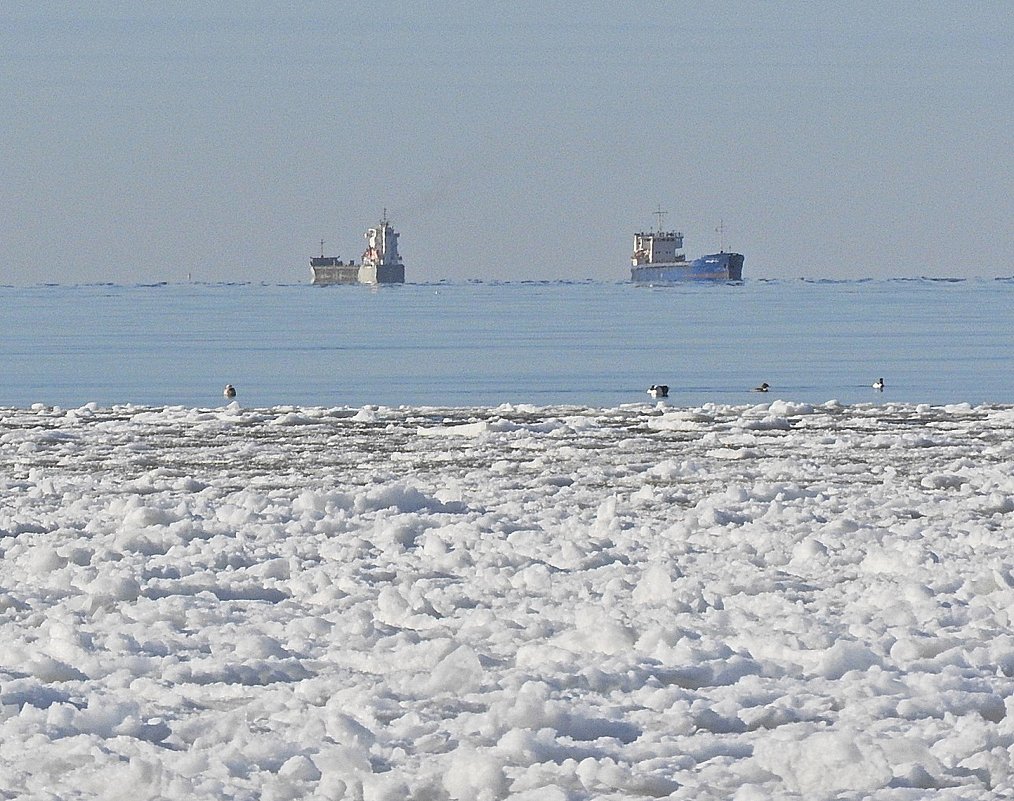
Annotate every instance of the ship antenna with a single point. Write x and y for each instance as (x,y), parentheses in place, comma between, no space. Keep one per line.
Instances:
(660,214)
(322,248)
(721,235)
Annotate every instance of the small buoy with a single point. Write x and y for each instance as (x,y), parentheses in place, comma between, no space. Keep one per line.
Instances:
(229,391)
(762,388)
(659,390)
(879,384)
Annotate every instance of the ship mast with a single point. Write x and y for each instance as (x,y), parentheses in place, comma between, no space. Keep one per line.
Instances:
(661,215)
(721,235)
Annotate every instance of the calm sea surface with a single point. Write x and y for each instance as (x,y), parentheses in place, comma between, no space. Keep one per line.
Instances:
(471,344)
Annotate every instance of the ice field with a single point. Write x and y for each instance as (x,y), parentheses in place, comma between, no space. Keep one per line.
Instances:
(556,603)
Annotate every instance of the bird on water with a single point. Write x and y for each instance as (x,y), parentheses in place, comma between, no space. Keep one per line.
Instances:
(659,390)
(762,388)
(879,384)
(229,391)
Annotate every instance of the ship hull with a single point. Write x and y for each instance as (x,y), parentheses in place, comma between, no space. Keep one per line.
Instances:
(713,267)
(334,274)
(327,275)
(382,274)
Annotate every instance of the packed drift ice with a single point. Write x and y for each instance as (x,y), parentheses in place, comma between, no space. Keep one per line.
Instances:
(750,602)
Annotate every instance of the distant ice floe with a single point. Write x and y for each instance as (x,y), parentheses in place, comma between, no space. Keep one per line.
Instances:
(724,602)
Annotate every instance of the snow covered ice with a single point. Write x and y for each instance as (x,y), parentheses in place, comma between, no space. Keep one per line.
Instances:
(554,603)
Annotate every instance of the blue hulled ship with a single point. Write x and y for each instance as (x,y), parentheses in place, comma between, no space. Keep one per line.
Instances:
(658,258)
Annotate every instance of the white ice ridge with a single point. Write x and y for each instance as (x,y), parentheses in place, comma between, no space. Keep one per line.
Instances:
(725,602)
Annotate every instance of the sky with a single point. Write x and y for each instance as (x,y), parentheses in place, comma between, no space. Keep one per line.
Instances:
(146,142)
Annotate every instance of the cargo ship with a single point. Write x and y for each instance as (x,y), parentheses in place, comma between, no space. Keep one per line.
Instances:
(658,258)
(381,263)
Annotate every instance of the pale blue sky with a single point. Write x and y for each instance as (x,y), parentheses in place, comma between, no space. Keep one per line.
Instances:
(506,140)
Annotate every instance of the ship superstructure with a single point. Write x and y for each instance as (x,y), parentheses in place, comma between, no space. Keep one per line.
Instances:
(381,263)
(657,247)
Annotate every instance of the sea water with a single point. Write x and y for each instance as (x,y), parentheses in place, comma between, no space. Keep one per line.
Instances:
(481,344)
